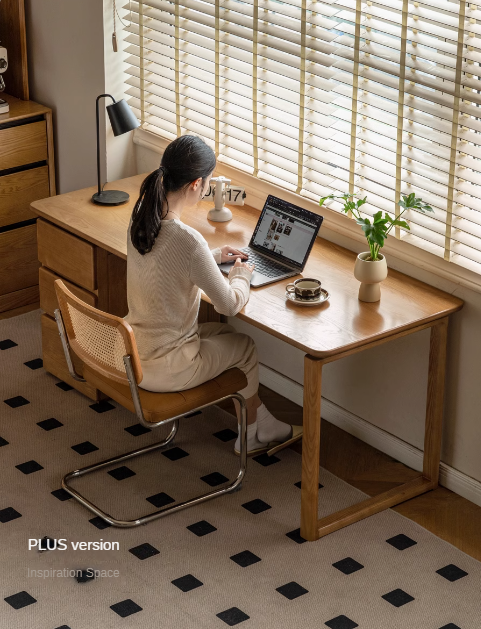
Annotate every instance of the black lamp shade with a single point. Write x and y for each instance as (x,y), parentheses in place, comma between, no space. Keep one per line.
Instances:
(122,118)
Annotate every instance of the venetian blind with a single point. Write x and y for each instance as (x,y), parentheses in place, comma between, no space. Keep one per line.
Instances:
(373,98)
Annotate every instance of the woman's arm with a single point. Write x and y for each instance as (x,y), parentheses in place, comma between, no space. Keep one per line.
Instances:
(217,253)
(227,297)
(227,254)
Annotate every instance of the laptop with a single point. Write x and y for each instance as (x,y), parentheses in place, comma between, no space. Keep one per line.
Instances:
(281,242)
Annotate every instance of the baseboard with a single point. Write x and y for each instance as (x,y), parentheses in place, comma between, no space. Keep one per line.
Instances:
(398,449)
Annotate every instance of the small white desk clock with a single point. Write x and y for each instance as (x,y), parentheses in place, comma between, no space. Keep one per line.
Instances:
(218,193)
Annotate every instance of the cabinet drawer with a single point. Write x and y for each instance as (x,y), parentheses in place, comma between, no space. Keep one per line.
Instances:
(22,145)
(19,298)
(54,360)
(18,190)
(48,296)
(18,259)
(67,255)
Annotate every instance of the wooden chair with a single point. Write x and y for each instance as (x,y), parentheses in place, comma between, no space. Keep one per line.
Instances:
(106,345)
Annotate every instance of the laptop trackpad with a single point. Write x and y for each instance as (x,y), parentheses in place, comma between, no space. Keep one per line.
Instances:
(257,278)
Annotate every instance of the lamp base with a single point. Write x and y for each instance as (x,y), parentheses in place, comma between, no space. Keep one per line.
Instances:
(110,197)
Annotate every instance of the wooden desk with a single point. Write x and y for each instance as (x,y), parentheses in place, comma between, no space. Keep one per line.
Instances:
(91,253)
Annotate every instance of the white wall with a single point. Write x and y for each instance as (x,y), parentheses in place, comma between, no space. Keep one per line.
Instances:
(70,63)
(387,385)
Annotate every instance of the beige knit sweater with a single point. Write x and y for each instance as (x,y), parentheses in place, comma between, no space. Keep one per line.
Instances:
(164,288)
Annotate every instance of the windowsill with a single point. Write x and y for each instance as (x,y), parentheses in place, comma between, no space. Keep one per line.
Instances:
(337,227)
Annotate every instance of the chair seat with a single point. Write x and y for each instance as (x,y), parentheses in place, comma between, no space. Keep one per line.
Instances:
(159,406)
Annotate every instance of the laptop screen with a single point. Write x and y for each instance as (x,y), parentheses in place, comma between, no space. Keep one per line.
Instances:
(285,231)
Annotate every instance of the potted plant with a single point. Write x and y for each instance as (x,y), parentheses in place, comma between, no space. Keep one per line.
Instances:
(371,268)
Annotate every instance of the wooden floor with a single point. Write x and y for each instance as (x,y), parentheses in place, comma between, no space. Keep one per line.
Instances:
(442,512)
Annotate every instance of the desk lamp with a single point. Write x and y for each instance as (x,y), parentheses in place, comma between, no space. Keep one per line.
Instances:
(122,119)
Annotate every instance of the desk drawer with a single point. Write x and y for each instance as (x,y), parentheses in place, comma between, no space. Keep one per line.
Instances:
(22,145)
(18,259)
(18,190)
(67,255)
(48,296)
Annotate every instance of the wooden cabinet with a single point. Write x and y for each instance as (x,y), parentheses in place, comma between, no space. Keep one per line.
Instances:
(94,275)
(27,173)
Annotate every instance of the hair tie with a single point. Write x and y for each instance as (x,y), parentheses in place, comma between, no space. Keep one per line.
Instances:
(163,169)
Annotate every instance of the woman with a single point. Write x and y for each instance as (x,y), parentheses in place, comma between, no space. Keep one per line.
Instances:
(168,263)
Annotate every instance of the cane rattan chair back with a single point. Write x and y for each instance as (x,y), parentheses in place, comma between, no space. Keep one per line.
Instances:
(99,339)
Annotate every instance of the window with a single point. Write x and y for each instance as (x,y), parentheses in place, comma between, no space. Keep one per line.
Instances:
(372,97)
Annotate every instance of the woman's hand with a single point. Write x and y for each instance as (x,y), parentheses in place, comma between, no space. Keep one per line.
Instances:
(238,264)
(235,254)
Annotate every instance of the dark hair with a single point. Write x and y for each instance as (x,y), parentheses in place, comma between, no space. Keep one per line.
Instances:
(184,160)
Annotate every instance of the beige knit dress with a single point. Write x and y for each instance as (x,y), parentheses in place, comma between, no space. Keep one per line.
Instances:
(163,293)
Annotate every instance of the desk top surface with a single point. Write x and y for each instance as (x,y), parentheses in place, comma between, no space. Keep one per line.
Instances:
(341,324)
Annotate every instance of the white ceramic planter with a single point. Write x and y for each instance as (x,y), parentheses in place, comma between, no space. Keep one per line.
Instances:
(370,274)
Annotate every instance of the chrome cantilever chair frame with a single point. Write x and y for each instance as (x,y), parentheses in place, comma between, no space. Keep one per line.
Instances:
(235,486)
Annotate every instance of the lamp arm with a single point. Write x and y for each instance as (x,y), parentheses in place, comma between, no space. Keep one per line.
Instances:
(98,142)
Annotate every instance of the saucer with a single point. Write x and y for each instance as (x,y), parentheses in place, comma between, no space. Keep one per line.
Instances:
(324,296)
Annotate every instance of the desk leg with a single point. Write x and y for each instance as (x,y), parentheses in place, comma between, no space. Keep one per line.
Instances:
(435,402)
(312,528)
(311,448)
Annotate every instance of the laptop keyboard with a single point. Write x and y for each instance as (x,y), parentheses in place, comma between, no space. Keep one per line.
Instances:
(265,265)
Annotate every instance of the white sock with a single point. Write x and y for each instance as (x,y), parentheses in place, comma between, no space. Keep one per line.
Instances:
(252,441)
(269,428)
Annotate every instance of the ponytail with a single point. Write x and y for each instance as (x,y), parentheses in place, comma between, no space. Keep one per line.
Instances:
(184,160)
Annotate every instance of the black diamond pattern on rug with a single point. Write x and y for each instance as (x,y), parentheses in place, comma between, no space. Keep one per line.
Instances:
(9,514)
(292,590)
(100,523)
(341,622)
(120,473)
(36,363)
(452,572)
(225,435)
(29,467)
(19,600)
(299,484)
(61,494)
(348,565)
(102,407)
(245,558)
(233,616)
(160,500)
(187,583)
(17,401)
(265,460)
(295,535)
(49,424)
(256,506)
(214,479)
(7,344)
(214,564)
(126,608)
(144,551)
(201,528)
(84,448)
(137,429)
(398,598)
(64,386)
(401,541)
(174,454)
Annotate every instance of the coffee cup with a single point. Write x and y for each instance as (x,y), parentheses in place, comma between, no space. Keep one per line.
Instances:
(306,288)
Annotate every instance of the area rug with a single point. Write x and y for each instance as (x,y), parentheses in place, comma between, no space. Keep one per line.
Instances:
(234,560)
